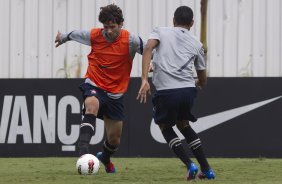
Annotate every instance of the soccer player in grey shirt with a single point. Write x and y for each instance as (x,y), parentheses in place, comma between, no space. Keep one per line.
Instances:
(177,51)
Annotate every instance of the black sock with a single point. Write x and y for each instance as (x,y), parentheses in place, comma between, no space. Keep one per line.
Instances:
(195,145)
(175,144)
(87,128)
(109,150)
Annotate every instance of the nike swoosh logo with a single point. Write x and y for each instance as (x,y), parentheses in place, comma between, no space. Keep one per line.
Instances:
(211,121)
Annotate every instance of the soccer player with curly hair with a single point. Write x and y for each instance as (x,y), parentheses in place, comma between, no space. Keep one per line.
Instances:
(106,79)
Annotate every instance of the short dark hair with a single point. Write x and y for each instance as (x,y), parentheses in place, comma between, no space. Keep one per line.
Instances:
(111,13)
(183,15)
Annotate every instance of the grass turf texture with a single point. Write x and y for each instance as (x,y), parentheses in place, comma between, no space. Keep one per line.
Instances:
(138,171)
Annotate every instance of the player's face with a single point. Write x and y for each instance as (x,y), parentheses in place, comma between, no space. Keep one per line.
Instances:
(112,29)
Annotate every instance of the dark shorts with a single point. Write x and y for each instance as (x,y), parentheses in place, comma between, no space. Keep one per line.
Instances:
(172,105)
(111,108)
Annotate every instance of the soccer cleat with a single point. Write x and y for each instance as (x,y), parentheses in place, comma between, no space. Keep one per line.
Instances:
(209,174)
(109,168)
(192,171)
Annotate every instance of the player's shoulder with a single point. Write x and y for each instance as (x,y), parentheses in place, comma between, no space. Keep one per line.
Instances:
(133,37)
(96,29)
(125,32)
(196,41)
(130,33)
(135,40)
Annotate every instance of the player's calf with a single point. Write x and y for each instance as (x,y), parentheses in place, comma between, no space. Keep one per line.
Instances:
(87,128)
(105,156)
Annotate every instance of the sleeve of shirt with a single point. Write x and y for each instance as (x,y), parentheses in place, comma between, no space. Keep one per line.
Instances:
(155,34)
(136,44)
(200,63)
(81,36)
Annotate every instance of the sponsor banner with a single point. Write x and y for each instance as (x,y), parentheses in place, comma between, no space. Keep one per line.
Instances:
(237,117)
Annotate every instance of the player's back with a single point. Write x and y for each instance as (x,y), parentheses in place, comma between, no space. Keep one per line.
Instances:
(174,57)
(178,40)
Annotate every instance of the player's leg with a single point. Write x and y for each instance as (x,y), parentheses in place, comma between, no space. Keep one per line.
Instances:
(182,123)
(111,144)
(175,144)
(87,126)
(195,145)
(113,132)
(113,119)
(166,103)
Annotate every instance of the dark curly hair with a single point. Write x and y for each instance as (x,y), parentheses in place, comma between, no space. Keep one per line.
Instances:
(111,13)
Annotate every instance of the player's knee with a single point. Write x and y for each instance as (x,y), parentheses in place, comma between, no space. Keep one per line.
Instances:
(182,124)
(91,109)
(163,127)
(91,105)
(191,137)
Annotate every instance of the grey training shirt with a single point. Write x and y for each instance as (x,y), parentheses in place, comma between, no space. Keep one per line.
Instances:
(176,55)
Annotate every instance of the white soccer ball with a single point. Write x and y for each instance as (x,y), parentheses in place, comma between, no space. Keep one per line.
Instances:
(87,164)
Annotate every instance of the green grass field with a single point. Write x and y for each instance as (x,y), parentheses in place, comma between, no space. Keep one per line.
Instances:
(138,171)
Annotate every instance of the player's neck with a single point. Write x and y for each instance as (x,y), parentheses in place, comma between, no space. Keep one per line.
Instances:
(183,26)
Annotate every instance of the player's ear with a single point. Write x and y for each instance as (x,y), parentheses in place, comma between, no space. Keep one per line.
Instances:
(173,21)
(192,23)
(120,25)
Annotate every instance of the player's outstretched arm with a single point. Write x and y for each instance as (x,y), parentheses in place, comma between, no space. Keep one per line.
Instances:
(80,36)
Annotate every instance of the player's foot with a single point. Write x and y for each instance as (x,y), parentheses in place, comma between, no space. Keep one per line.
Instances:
(109,168)
(209,174)
(192,171)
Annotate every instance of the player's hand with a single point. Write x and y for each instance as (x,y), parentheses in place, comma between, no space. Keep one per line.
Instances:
(198,86)
(144,89)
(58,40)
(151,69)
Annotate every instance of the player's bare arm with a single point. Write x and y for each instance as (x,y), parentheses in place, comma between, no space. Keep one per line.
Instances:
(146,60)
(202,79)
